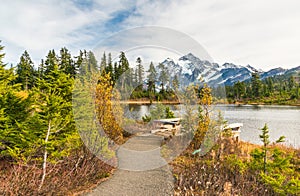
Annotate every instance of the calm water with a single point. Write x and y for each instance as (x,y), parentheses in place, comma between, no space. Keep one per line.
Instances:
(281,120)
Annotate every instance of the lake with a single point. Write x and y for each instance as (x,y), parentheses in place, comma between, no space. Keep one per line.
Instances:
(281,120)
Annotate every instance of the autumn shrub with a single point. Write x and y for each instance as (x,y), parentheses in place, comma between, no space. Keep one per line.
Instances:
(109,113)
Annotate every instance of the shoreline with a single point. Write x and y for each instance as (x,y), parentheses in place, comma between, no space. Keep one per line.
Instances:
(148,102)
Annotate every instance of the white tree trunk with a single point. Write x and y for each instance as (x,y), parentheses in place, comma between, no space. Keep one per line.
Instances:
(45,156)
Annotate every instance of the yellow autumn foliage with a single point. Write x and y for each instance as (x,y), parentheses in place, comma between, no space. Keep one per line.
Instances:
(21,94)
(109,114)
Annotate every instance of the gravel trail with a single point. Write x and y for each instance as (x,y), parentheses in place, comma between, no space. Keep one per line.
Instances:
(141,171)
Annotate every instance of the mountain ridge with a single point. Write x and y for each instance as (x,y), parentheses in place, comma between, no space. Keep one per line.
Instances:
(191,69)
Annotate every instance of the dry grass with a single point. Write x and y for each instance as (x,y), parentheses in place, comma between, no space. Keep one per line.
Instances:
(221,172)
(67,177)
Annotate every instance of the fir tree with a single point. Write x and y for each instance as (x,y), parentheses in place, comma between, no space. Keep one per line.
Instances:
(109,68)
(163,75)
(103,63)
(14,112)
(256,85)
(66,63)
(151,78)
(25,72)
(50,62)
(140,70)
(55,118)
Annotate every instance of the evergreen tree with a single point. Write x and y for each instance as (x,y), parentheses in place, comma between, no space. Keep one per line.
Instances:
(116,72)
(41,69)
(50,62)
(15,110)
(79,62)
(87,63)
(25,72)
(123,62)
(140,70)
(135,77)
(266,141)
(103,63)
(175,82)
(270,85)
(92,63)
(123,67)
(291,83)
(163,75)
(56,124)
(109,68)
(151,78)
(239,90)
(256,85)
(66,63)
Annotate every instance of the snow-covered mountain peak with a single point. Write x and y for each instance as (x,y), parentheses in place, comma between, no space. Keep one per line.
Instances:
(251,69)
(190,69)
(230,66)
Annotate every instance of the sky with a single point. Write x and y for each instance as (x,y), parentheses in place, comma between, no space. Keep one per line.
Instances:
(264,34)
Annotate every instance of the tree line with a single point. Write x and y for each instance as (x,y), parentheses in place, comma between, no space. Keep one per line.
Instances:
(272,90)
(154,83)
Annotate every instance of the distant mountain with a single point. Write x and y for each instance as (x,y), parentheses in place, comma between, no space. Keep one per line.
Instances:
(190,69)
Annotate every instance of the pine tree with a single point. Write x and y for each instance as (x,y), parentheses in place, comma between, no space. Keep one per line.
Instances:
(256,85)
(55,118)
(6,89)
(66,63)
(270,85)
(109,67)
(92,62)
(41,69)
(266,141)
(239,89)
(163,75)
(151,78)
(25,72)
(141,72)
(123,67)
(123,62)
(15,109)
(116,72)
(79,62)
(291,83)
(274,166)
(103,63)
(50,62)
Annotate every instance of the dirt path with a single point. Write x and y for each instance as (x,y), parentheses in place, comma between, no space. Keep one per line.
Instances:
(142,170)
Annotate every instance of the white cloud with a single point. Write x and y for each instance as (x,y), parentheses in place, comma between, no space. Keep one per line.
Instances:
(264,34)
(39,26)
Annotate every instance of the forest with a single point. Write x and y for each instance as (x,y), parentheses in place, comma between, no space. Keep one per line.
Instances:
(280,89)
(41,152)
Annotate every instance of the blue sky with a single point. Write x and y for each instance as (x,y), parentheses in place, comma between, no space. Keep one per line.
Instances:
(265,34)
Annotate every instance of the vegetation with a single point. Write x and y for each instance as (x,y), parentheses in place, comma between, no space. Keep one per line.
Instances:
(227,169)
(41,151)
(159,112)
(40,148)
(272,90)
(222,165)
